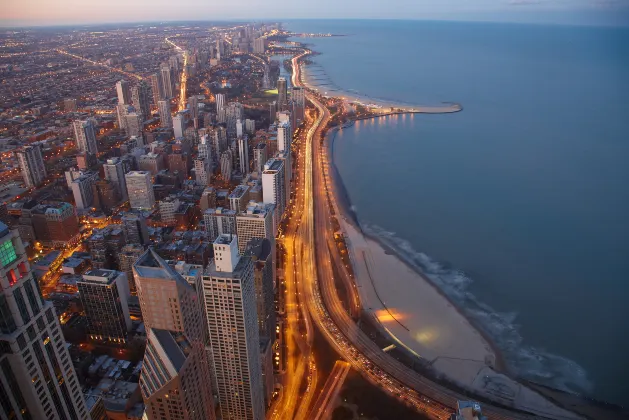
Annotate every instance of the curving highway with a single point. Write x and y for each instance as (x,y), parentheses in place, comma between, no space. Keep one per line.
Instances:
(319,259)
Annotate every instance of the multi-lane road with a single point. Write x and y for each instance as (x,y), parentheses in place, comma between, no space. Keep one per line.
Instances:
(316,247)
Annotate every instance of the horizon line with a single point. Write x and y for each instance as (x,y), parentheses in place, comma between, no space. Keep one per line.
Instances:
(6,26)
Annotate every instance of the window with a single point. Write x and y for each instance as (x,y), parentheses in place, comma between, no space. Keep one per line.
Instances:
(7,323)
(7,253)
(30,294)
(21,305)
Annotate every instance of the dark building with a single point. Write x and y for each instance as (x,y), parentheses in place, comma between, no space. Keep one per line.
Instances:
(104,295)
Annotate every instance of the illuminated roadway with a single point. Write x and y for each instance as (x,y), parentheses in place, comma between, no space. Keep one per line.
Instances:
(96,63)
(184,78)
(324,406)
(316,235)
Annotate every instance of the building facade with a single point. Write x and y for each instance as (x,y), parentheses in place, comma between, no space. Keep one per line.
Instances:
(37,379)
(140,190)
(31,161)
(175,381)
(104,295)
(234,343)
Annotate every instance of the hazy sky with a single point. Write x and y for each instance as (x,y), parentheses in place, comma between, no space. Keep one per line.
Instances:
(51,12)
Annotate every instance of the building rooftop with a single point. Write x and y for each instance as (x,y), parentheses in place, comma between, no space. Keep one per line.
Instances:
(239,191)
(236,273)
(151,265)
(101,276)
(259,210)
(175,345)
(221,211)
(273,165)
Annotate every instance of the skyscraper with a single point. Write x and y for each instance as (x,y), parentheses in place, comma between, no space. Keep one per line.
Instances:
(205,147)
(193,104)
(115,172)
(234,344)
(281,92)
(239,198)
(202,171)
(179,125)
(135,228)
(243,154)
(157,87)
(85,136)
(168,82)
(208,199)
(261,253)
(219,221)
(259,157)
(259,45)
(298,96)
(124,94)
(128,256)
(82,190)
(226,165)
(140,190)
(250,126)
(31,160)
(274,185)
(104,295)
(37,379)
(141,96)
(165,117)
(220,101)
(175,381)
(133,124)
(257,221)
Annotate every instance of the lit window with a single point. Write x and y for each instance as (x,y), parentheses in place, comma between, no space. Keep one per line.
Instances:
(7,253)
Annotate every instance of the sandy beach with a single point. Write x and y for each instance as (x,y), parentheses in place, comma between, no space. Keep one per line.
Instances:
(421,320)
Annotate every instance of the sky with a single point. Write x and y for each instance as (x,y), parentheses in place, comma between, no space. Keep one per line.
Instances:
(65,12)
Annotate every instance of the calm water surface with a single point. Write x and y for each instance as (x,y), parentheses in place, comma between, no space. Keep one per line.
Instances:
(520,203)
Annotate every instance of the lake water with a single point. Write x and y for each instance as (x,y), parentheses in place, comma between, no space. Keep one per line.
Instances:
(520,203)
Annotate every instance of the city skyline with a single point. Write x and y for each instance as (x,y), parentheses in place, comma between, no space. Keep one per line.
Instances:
(179,239)
(68,12)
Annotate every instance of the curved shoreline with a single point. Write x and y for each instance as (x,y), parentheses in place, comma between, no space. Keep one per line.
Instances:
(345,208)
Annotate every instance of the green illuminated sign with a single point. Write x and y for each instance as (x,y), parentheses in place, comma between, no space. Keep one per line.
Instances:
(7,253)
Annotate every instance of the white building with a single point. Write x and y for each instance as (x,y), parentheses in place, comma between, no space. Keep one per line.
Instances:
(82,190)
(31,161)
(220,101)
(167,209)
(179,125)
(85,136)
(140,190)
(257,221)
(284,136)
(205,147)
(234,343)
(274,185)
(124,94)
(202,171)
(250,126)
(239,128)
(219,221)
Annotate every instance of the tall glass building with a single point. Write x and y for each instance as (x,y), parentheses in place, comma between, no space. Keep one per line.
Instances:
(37,379)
